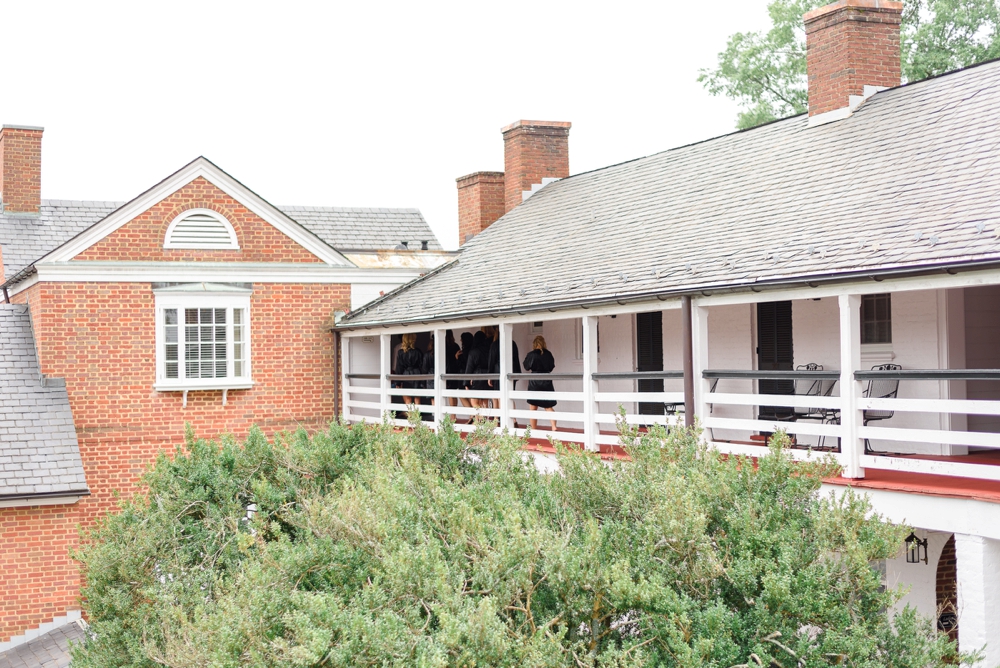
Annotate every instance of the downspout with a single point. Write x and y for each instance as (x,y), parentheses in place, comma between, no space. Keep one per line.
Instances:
(688,352)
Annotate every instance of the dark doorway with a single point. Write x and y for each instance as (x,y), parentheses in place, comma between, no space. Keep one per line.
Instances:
(947,591)
(774,353)
(649,357)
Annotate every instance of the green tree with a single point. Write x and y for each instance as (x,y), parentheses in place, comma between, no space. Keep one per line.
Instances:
(364,546)
(765,72)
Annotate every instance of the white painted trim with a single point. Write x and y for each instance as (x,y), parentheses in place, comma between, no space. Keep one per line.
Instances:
(224,182)
(28,501)
(932,467)
(852,447)
(515,318)
(934,513)
(234,243)
(210,272)
(70,617)
(590,364)
(168,299)
(962,279)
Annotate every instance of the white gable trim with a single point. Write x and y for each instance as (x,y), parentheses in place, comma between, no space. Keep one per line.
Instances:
(227,184)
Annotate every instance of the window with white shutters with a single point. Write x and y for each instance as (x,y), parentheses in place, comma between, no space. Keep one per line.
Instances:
(202,229)
(203,337)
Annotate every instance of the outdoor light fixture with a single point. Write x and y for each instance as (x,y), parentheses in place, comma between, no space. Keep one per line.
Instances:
(916,549)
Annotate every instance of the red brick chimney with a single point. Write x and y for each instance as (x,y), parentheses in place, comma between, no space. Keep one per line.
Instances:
(532,151)
(480,202)
(851,44)
(20,168)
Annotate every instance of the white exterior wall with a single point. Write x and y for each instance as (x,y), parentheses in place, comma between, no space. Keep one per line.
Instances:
(918,580)
(364,358)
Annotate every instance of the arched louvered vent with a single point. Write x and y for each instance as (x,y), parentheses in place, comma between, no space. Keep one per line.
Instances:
(201,228)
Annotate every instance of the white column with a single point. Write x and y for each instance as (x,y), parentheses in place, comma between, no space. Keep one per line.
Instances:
(440,360)
(506,356)
(699,354)
(977,562)
(851,447)
(590,426)
(385,368)
(345,382)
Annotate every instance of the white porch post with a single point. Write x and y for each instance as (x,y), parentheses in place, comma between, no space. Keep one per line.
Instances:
(590,425)
(851,447)
(440,361)
(699,355)
(506,355)
(977,562)
(385,368)
(345,383)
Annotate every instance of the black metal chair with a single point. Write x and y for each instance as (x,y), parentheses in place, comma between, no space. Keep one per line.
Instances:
(880,388)
(809,388)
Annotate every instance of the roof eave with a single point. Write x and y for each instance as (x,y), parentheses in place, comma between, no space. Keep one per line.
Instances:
(663,295)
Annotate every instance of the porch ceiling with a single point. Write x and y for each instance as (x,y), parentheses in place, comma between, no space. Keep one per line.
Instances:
(910,180)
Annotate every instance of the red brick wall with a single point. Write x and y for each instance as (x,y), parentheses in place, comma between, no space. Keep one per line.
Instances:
(533,150)
(38,580)
(21,169)
(480,202)
(851,44)
(947,583)
(142,238)
(100,337)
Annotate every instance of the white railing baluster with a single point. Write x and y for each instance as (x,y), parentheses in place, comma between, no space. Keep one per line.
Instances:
(506,356)
(440,359)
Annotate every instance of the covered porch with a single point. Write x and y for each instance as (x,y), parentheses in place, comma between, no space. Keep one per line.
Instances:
(900,376)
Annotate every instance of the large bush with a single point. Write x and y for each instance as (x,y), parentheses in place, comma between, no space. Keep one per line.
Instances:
(365,546)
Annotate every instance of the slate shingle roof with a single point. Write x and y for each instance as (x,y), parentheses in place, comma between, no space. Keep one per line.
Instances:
(912,178)
(364,229)
(25,239)
(50,650)
(39,453)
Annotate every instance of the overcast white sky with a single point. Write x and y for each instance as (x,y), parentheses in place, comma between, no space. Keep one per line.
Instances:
(353,104)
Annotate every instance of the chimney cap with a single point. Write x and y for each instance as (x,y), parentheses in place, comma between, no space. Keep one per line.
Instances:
(562,125)
(884,5)
(23,127)
(477,176)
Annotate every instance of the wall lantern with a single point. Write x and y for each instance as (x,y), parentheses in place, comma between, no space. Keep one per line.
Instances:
(916,549)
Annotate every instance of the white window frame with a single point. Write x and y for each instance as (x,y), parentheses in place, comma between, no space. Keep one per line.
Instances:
(233,241)
(182,297)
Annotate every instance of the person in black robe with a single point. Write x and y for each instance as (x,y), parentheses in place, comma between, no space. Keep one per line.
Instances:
(461,363)
(478,361)
(452,365)
(540,360)
(409,362)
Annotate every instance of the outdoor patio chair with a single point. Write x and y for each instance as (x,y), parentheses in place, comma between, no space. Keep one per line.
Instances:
(880,388)
(808,388)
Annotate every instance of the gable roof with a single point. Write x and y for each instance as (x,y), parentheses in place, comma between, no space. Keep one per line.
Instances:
(26,239)
(198,168)
(39,453)
(910,180)
(365,229)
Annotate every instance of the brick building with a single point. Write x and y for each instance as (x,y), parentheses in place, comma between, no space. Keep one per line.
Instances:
(197,302)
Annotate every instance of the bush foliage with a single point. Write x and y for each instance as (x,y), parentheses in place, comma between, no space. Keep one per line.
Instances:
(366,546)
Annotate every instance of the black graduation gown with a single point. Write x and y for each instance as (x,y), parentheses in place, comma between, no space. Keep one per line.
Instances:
(540,361)
(410,363)
(478,361)
(495,358)
(453,365)
(427,367)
